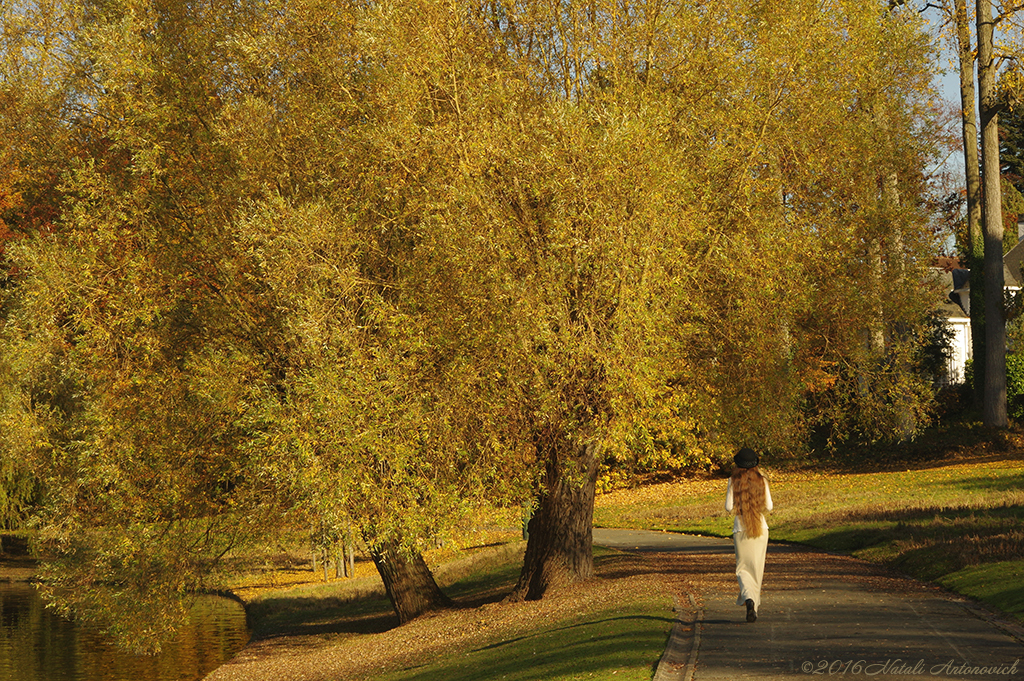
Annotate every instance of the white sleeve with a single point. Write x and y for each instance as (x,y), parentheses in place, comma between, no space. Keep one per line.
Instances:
(767,496)
(728,496)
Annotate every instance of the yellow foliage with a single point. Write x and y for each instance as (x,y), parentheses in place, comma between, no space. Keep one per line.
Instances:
(329,261)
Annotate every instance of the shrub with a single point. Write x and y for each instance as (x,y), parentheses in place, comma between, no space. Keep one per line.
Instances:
(1014,384)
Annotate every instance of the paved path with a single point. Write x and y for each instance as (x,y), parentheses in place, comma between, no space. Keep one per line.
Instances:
(824,615)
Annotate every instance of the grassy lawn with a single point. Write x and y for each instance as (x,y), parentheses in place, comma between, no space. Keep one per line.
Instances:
(595,639)
(619,635)
(999,583)
(958,523)
(622,641)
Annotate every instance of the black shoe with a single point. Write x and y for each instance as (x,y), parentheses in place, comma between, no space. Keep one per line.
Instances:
(751,615)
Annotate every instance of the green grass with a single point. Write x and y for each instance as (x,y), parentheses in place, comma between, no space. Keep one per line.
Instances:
(940,522)
(623,641)
(997,583)
(319,610)
(814,497)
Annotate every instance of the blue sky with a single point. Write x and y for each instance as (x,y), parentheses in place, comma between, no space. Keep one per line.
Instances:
(947,81)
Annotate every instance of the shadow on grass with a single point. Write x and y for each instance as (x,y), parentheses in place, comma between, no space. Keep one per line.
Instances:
(997,513)
(983,483)
(302,612)
(481,588)
(933,448)
(595,648)
(998,584)
(311,611)
(590,623)
(291,615)
(926,543)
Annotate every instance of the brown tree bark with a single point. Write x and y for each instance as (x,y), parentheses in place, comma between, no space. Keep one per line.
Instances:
(876,328)
(408,581)
(559,549)
(994,408)
(976,242)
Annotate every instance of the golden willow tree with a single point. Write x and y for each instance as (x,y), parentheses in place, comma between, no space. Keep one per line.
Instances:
(373,262)
(32,151)
(148,346)
(115,345)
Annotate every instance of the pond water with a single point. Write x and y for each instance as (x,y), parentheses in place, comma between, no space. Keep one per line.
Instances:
(38,645)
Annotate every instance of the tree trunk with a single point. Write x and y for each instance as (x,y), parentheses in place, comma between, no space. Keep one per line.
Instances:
(560,545)
(907,425)
(350,552)
(975,239)
(994,409)
(876,328)
(876,266)
(408,581)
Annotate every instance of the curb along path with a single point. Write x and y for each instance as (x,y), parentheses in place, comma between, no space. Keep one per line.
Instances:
(821,615)
(679,660)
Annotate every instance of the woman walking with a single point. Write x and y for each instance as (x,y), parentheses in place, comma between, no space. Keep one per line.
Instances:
(749,497)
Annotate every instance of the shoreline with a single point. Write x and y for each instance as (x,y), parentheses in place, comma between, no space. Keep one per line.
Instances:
(17,569)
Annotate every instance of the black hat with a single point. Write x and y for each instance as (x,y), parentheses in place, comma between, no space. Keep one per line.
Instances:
(746,458)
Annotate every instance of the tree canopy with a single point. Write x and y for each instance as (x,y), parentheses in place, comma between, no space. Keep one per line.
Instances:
(375,262)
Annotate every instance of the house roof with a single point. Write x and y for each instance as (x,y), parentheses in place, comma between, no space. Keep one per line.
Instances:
(946,262)
(943,281)
(948,274)
(1012,261)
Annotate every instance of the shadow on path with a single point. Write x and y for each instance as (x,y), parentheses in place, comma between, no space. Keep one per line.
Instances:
(823,614)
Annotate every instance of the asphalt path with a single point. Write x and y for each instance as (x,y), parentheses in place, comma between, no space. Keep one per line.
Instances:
(835,621)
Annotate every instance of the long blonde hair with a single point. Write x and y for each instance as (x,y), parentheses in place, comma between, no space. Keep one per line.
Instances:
(748,498)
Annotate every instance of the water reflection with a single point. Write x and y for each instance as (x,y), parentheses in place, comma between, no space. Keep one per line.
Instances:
(37,645)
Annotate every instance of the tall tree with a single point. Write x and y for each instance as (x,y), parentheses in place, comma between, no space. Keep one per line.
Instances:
(975,241)
(994,409)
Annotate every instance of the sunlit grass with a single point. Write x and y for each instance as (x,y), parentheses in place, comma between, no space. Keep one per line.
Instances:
(620,642)
(811,499)
(1001,584)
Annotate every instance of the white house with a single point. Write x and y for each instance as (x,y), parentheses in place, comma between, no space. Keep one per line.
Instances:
(957,307)
(958,320)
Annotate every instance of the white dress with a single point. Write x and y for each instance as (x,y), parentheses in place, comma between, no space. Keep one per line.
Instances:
(750,551)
